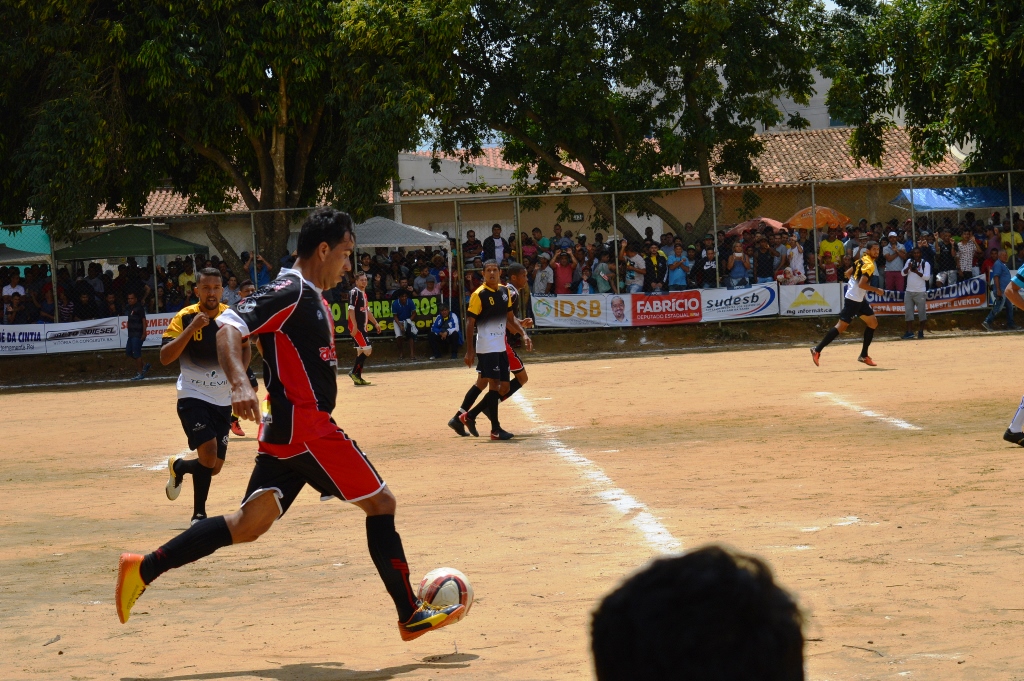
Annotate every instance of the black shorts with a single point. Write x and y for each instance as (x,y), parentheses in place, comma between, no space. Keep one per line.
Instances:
(493,365)
(203,422)
(855,308)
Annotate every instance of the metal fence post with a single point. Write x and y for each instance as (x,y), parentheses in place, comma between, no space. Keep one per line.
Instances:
(615,240)
(53,281)
(714,235)
(1009,215)
(462,264)
(255,251)
(814,229)
(152,266)
(913,216)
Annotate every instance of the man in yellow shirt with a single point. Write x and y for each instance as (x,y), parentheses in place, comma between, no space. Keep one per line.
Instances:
(833,246)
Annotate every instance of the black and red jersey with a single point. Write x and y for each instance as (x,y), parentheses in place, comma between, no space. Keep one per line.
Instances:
(512,338)
(296,333)
(357,303)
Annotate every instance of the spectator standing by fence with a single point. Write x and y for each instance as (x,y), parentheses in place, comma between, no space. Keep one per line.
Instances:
(635,268)
(894,254)
(496,247)
(917,272)
(135,325)
(966,251)
(1000,279)
(656,268)
(706,265)
(13,286)
(795,253)
(831,245)
(678,267)
(764,262)
(564,268)
(231,292)
(945,260)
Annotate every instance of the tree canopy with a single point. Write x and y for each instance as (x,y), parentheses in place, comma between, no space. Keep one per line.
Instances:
(622,95)
(278,103)
(953,70)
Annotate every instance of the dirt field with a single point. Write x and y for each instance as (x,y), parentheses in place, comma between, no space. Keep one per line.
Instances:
(901,538)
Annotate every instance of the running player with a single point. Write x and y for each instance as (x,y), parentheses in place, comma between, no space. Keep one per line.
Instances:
(299,442)
(1014,433)
(204,397)
(856,305)
(517,277)
(358,313)
(489,313)
(246,289)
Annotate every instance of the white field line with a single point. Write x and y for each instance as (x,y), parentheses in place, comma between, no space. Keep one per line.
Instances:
(656,534)
(839,401)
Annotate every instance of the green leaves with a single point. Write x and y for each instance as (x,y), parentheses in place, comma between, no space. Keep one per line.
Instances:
(953,70)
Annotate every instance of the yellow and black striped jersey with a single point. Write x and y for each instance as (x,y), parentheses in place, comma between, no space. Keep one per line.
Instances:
(201,376)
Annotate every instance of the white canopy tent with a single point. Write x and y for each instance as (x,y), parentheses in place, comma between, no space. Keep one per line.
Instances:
(12,256)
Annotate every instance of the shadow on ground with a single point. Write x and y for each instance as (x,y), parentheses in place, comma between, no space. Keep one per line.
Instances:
(323,671)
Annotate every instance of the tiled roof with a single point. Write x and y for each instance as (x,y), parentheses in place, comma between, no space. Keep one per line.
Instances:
(799,156)
(825,155)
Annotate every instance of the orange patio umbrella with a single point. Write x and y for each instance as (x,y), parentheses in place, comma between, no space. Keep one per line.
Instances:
(756,223)
(825,217)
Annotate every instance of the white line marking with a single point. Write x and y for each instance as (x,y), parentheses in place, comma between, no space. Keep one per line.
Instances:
(839,401)
(656,534)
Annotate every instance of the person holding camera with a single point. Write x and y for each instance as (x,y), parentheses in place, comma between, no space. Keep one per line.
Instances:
(918,273)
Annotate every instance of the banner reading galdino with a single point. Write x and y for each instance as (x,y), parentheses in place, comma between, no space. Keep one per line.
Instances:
(970,294)
(760,300)
(810,300)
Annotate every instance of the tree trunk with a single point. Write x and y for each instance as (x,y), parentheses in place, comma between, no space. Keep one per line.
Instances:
(227,252)
(648,204)
(603,204)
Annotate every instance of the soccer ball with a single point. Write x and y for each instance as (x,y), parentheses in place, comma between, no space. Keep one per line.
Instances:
(446,586)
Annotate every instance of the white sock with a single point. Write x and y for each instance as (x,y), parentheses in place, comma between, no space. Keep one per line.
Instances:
(1017,424)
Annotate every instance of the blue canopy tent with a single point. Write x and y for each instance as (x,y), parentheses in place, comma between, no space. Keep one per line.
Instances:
(955,199)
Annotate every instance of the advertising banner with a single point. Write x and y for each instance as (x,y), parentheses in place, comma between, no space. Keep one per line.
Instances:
(810,300)
(582,311)
(156,324)
(970,294)
(427,307)
(22,339)
(677,307)
(95,334)
(761,300)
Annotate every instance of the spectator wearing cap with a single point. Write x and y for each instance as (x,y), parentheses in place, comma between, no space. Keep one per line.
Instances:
(656,268)
(635,268)
(1000,279)
(678,267)
(894,254)
(918,272)
(431,287)
(543,276)
(403,312)
(706,264)
(445,334)
(496,246)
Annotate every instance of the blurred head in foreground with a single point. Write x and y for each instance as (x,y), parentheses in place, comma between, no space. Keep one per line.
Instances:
(709,615)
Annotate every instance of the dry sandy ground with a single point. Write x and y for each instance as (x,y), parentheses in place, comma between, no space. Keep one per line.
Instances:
(902,545)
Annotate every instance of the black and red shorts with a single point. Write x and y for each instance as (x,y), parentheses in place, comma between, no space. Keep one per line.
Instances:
(360,338)
(333,465)
(515,365)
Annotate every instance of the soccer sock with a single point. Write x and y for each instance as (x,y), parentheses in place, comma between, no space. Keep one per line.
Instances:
(513,386)
(196,542)
(389,558)
(186,466)
(470,398)
(869,333)
(1018,419)
(832,334)
(489,406)
(360,360)
(201,478)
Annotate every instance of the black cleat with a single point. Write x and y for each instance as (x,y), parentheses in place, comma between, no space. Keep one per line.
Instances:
(1015,438)
(455,423)
(501,434)
(470,423)
(197,517)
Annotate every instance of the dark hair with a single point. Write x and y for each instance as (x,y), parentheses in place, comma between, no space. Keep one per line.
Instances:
(516,268)
(209,272)
(324,225)
(869,245)
(360,273)
(710,615)
(492,261)
(247,282)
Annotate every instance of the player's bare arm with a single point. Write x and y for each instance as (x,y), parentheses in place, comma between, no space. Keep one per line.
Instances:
(373,320)
(230,354)
(470,342)
(171,351)
(1012,293)
(866,286)
(516,327)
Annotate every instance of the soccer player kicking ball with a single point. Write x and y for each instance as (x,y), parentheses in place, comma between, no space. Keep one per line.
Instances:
(358,313)
(517,280)
(489,313)
(204,396)
(299,442)
(856,305)
(1012,292)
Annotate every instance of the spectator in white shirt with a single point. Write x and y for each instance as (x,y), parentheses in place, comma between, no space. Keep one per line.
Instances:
(918,272)
(543,276)
(795,253)
(14,287)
